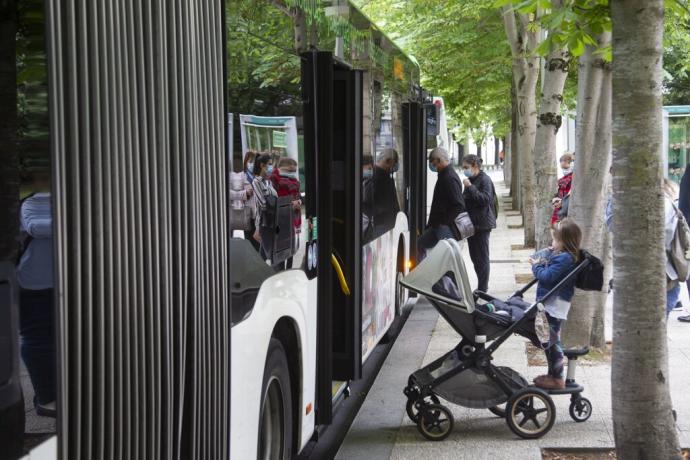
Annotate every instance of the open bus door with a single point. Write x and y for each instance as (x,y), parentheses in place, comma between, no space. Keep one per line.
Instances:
(332,95)
(415,170)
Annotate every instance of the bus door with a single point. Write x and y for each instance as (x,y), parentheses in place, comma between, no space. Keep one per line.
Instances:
(332,95)
(415,171)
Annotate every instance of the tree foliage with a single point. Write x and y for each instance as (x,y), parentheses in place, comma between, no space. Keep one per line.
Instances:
(463,53)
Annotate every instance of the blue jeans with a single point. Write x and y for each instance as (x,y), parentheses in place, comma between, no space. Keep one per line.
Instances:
(37,330)
(431,237)
(672,296)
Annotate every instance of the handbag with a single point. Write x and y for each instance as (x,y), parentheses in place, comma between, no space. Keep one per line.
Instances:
(464,225)
(680,247)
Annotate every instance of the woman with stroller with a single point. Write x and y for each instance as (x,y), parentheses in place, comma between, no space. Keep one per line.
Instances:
(263,193)
(558,260)
(479,195)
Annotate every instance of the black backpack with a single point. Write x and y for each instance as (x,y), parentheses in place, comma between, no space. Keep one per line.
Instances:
(591,277)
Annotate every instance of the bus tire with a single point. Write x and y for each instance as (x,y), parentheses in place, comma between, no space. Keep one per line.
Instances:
(275,416)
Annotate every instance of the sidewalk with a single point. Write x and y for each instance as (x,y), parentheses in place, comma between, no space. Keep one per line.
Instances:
(383,431)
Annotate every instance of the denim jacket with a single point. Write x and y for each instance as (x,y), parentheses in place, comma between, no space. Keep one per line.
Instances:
(551,270)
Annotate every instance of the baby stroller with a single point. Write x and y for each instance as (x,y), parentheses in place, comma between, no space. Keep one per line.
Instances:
(466,375)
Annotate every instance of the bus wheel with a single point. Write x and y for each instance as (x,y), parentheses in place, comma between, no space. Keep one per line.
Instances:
(275,432)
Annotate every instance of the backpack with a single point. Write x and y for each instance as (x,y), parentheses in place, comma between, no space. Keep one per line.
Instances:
(565,204)
(680,247)
(591,277)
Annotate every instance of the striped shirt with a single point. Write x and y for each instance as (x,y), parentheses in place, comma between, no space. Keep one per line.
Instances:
(262,189)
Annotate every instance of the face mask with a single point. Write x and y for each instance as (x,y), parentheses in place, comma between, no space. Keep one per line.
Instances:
(250,167)
(467,173)
(269,169)
(395,168)
(433,167)
(567,170)
(367,173)
(290,174)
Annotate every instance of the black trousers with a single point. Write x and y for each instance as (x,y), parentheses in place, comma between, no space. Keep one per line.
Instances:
(479,253)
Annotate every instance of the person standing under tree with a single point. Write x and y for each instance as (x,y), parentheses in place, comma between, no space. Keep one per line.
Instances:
(564,185)
(479,198)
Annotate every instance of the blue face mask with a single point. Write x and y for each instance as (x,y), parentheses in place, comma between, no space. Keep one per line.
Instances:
(269,169)
(395,168)
(467,173)
(433,167)
(250,167)
(367,174)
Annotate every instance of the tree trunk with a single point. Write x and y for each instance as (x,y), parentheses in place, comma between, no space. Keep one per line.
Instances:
(598,337)
(549,122)
(497,150)
(587,204)
(641,402)
(507,160)
(523,41)
(515,154)
(300,29)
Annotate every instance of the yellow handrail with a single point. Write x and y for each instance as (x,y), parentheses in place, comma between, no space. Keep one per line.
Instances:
(341,276)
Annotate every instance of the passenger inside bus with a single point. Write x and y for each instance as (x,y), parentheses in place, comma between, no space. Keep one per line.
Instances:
(367,198)
(386,206)
(265,197)
(285,180)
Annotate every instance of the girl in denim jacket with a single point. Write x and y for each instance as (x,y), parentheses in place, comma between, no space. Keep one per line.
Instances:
(549,270)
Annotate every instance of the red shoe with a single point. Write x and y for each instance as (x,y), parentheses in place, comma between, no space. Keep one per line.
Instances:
(551,383)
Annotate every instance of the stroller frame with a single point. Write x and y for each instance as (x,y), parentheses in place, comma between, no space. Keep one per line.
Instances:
(435,421)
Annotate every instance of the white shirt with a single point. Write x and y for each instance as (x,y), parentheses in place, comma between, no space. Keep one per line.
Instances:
(35,270)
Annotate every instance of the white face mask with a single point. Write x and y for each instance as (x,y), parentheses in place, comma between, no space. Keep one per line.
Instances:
(288,173)
(250,166)
(567,170)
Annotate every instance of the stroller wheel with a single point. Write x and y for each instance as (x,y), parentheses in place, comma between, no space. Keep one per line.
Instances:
(412,406)
(499,411)
(435,422)
(530,413)
(580,409)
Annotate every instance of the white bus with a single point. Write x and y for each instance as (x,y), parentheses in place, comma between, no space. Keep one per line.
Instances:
(176,340)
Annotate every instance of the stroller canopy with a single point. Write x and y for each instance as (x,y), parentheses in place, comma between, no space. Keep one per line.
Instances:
(445,257)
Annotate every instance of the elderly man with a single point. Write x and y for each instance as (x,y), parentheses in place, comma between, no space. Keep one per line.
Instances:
(386,205)
(446,204)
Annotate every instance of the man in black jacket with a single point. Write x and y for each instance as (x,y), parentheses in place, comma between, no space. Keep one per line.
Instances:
(479,197)
(446,204)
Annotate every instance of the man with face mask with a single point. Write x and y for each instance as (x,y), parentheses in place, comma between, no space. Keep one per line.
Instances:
(386,206)
(447,202)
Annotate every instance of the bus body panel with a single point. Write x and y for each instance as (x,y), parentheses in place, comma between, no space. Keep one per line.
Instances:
(286,295)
